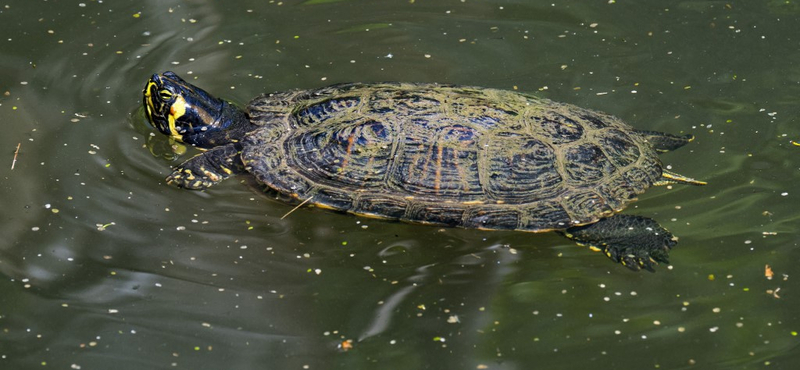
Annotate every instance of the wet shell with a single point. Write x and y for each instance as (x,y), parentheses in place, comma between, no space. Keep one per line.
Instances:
(451,155)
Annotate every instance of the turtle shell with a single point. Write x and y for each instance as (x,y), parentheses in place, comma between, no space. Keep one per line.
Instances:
(450,155)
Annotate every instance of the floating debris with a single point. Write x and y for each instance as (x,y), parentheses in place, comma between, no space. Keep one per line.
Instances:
(14,162)
(346,345)
(295,208)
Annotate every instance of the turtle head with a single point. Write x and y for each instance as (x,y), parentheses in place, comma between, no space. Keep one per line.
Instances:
(190,115)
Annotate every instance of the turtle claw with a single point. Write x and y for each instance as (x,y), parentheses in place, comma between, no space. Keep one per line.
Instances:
(207,169)
(637,257)
(186,179)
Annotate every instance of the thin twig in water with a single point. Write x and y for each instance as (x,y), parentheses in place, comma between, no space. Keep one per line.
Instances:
(298,206)
(15,156)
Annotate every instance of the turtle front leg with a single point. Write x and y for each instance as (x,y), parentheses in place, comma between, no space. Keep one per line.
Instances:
(634,241)
(206,169)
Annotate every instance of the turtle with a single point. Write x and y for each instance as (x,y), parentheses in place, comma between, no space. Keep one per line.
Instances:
(426,153)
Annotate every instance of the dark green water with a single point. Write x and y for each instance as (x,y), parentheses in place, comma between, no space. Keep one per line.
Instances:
(103,266)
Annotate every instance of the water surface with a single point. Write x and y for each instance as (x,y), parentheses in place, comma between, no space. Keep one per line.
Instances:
(103,265)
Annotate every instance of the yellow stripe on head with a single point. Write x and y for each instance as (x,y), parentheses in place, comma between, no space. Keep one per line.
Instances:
(176,110)
(148,96)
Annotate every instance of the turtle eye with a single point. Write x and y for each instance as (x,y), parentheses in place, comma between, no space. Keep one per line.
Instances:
(165,94)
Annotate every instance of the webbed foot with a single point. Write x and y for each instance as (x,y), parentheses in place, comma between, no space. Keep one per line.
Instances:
(207,169)
(634,241)
(196,179)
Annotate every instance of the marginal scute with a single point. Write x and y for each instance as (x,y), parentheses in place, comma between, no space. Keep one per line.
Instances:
(269,108)
(334,198)
(557,127)
(492,218)
(448,155)
(480,111)
(547,214)
(325,110)
(586,207)
(379,204)
(436,213)
(596,121)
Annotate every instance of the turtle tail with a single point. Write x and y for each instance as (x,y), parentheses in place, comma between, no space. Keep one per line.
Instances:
(669,178)
(662,143)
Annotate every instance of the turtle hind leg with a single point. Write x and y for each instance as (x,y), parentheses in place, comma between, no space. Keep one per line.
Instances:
(209,168)
(663,142)
(634,241)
